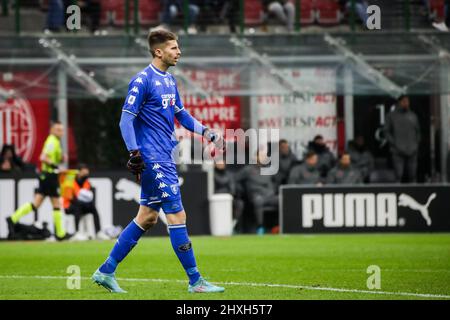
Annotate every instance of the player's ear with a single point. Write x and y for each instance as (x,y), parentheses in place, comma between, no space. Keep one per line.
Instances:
(158,52)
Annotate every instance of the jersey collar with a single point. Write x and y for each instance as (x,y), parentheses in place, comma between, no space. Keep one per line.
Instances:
(157,71)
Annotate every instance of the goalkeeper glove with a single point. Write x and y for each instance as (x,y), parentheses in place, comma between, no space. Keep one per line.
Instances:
(214,137)
(136,164)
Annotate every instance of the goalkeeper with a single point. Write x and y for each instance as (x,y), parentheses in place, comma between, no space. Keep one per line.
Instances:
(147,126)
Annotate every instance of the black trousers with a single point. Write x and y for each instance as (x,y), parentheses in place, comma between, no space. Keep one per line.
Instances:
(404,164)
(260,204)
(78,209)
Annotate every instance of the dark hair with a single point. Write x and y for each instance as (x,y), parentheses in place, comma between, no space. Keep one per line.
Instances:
(54,123)
(15,158)
(82,166)
(317,137)
(343,153)
(310,154)
(401,97)
(158,37)
(282,141)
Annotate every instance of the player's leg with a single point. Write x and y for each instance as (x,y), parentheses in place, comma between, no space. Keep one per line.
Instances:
(398,163)
(104,276)
(28,207)
(145,219)
(257,202)
(58,222)
(182,246)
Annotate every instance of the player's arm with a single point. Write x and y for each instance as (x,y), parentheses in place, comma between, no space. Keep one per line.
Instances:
(45,155)
(133,102)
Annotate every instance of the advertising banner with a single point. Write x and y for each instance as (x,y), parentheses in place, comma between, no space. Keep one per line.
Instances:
(392,208)
(299,118)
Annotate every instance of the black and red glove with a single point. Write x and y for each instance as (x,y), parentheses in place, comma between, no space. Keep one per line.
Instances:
(136,164)
(215,137)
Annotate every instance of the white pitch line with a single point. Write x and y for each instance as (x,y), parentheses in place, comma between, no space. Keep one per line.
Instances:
(253,284)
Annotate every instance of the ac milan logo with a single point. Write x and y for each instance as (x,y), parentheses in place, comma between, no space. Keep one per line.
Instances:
(17,126)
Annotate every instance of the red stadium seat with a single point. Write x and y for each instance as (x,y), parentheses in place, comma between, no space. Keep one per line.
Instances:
(328,12)
(307,11)
(114,11)
(437,9)
(252,12)
(149,12)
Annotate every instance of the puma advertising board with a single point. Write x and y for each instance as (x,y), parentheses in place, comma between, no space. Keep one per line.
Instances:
(374,208)
(116,196)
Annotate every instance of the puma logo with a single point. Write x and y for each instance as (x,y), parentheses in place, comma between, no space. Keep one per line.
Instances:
(130,191)
(127,190)
(405,200)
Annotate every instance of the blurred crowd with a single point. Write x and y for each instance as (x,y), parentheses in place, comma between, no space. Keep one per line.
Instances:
(256,195)
(195,16)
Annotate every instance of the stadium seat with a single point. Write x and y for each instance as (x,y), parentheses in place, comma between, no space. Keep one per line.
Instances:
(113,12)
(328,12)
(307,12)
(253,12)
(149,12)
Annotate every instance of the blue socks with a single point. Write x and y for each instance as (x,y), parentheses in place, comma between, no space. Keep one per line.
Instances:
(130,236)
(127,240)
(183,249)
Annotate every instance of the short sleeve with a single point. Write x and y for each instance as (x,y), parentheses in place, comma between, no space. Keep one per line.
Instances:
(137,93)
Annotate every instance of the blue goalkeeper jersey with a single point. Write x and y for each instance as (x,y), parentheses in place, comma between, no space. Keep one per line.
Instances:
(154,100)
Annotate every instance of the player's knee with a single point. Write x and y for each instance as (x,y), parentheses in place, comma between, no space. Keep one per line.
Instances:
(150,221)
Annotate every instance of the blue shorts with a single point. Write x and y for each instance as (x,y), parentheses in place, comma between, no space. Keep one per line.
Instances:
(160,187)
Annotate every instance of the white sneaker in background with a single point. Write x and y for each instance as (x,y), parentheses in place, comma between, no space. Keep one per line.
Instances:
(192,30)
(102,236)
(441,26)
(79,236)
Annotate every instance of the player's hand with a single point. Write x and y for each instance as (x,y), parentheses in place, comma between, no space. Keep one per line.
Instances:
(136,164)
(215,137)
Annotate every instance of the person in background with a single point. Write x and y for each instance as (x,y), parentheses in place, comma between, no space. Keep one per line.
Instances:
(308,172)
(282,10)
(224,182)
(260,189)
(403,133)
(9,161)
(360,9)
(287,161)
(361,157)
(55,15)
(172,8)
(326,157)
(344,173)
(80,201)
(52,160)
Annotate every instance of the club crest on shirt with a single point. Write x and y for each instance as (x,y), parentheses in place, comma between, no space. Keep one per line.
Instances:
(174,188)
(167,82)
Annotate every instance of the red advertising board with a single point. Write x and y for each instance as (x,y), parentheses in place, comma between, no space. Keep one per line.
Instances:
(216,111)
(24,117)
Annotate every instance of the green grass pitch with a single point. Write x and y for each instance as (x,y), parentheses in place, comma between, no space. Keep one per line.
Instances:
(412,266)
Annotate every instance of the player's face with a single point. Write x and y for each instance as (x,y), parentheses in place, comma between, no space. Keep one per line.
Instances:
(284,148)
(312,161)
(171,53)
(84,172)
(58,130)
(345,160)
